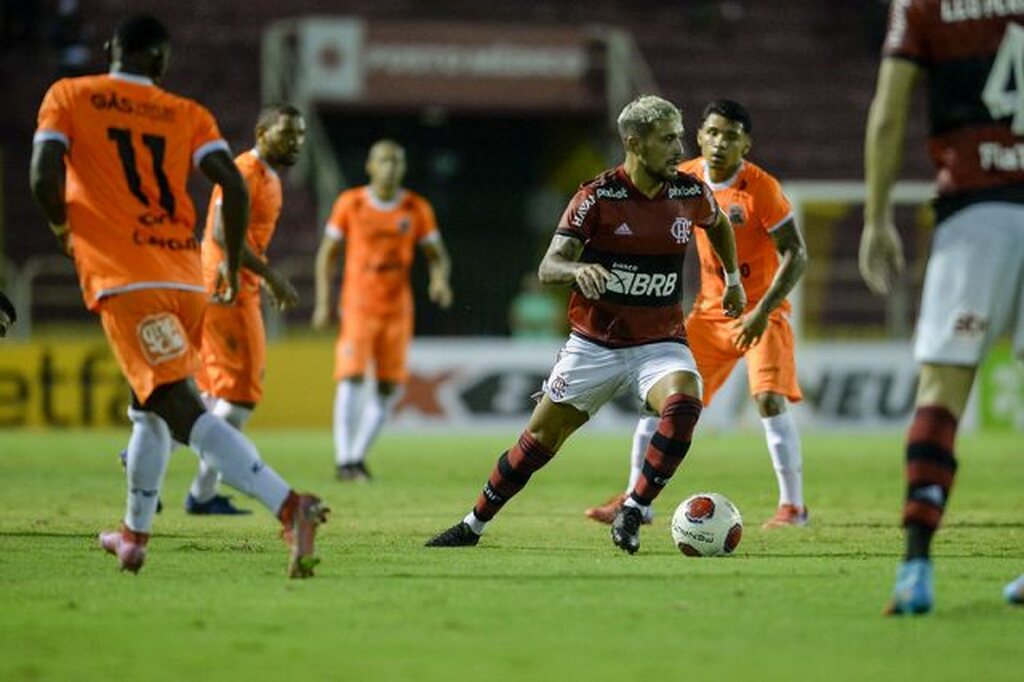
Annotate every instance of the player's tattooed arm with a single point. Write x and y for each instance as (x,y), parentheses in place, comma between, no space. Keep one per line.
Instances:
(561,265)
(793,252)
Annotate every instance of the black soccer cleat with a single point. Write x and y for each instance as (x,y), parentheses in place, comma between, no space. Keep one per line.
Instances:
(218,505)
(626,528)
(459,535)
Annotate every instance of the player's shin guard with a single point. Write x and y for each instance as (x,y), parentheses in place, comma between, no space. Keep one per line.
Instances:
(931,468)
(668,447)
(231,453)
(510,474)
(149,449)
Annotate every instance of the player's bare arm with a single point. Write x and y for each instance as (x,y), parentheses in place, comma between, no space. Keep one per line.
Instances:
(46,177)
(561,265)
(220,169)
(723,241)
(280,288)
(439,264)
(792,263)
(327,255)
(881,250)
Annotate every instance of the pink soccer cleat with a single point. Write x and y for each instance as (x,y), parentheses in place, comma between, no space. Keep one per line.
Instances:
(787,515)
(301,519)
(127,545)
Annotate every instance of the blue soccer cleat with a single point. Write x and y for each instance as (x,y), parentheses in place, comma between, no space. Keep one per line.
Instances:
(218,505)
(914,592)
(1014,592)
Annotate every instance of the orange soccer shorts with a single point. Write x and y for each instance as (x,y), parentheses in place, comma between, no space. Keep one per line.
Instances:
(384,340)
(233,351)
(771,366)
(154,334)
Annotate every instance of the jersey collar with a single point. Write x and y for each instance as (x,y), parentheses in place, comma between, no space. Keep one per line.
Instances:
(256,152)
(131,78)
(381,205)
(728,182)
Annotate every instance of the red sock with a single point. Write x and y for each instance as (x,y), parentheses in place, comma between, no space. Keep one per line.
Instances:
(510,474)
(668,447)
(931,466)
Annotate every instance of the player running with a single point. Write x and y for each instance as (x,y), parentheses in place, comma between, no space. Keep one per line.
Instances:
(772,258)
(620,243)
(110,159)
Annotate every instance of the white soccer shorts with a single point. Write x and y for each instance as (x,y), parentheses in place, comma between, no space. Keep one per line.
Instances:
(973,286)
(587,375)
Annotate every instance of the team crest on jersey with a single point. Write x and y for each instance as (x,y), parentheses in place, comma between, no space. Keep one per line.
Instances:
(558,386)
(404,224)
(736,215)
(681,230)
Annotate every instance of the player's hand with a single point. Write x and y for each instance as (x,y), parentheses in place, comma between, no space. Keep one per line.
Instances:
(750,328)
(284,294)
(881,257)
(592,280)
(440,292)
(734,300)
(321,315)
(225,291)
(63,235)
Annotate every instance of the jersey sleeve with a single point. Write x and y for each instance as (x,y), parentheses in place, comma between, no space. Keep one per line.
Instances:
(337,222)
(580,217)
(707,213)
(426,223)
(770,204)
(206,135)
(54,121)
(905,36)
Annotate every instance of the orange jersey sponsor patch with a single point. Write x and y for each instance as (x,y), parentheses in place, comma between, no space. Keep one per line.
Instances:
(380,240)
(755,205)
(130,146)
(264,209)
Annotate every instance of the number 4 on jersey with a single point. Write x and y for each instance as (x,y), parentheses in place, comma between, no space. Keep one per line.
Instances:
(1002,96)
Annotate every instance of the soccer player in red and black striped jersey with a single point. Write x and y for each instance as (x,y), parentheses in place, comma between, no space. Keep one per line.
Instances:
(620,244)
(971,54)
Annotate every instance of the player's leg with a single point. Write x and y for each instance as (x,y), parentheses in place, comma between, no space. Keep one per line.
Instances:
(352,354)
(771,374)
(390,349)
(203,498)
(584,378)
(666,377)
(233,355)
(605,513)
(236,458)
(966,304)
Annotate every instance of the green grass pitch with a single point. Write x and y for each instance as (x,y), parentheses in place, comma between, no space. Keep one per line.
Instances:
(545,596)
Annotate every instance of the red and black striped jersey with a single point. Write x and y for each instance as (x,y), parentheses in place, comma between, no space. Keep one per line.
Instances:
(973,53)
(642,241)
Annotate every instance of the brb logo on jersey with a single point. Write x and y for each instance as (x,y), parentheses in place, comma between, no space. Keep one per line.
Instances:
(627,280)
(681,230)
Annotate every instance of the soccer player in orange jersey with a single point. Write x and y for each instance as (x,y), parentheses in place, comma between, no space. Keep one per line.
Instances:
(110,159)
(772,258)
(233,350)
(379,225)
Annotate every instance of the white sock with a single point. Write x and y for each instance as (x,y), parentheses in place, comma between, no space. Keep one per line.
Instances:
(149,450)
(236,458)
(645,428)
(346,408)
(375,411)
(475,524)
(784,446)
(204,485)
(645,509)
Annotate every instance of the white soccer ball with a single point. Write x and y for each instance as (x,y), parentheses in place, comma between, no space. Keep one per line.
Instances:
(706,524)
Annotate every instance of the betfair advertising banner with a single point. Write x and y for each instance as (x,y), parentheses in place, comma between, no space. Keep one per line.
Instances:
(459,385)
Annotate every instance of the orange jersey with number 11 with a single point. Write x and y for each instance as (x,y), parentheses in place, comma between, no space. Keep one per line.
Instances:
(756,206)
(130,146)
